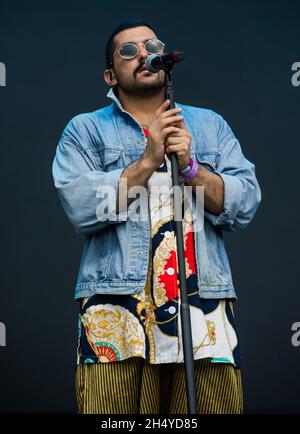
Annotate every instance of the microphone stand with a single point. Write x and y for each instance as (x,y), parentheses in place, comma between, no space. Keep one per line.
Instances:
(184,305)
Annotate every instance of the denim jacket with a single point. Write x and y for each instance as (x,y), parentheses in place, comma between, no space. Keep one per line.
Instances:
(92,153)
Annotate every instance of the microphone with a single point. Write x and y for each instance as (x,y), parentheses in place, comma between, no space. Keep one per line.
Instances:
(155,63)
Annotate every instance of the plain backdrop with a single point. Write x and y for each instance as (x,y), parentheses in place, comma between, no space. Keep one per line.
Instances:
(238,62)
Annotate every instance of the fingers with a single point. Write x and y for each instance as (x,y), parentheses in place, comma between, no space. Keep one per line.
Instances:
(174,140)
(163,107)
(170,112)
(181,150)
(171,120)
(164,111)
(170,130)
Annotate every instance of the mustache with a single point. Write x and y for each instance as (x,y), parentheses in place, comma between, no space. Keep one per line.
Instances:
(139,67)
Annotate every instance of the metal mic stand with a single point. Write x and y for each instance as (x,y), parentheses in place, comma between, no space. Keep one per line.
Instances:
(184,305)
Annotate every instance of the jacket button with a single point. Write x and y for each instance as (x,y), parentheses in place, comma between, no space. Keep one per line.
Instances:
(170,271)
(167,234)
(140,252)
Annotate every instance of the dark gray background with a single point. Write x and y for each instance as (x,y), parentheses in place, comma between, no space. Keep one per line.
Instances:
(238,63)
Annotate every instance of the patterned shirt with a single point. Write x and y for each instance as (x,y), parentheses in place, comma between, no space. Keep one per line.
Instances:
(148,324)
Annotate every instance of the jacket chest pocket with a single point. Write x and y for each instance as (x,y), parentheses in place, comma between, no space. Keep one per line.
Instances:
(107,159)
(209,159)
(133,154)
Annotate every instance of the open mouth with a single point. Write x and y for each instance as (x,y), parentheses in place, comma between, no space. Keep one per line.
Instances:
(143,69)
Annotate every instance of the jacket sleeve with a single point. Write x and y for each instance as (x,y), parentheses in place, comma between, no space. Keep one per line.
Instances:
(242,194)
(81,188)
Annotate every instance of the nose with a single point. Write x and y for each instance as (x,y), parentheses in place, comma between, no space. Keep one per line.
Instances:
(142,52)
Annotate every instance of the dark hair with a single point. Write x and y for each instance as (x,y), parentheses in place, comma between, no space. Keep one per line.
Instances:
(128,24)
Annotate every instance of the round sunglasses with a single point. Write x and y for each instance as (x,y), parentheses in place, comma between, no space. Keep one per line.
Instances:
(129,50)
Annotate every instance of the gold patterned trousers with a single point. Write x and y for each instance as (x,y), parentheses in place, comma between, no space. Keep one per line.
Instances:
(133,386)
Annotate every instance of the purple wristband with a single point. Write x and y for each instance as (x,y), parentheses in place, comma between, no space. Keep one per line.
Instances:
(186,168)
(191,173)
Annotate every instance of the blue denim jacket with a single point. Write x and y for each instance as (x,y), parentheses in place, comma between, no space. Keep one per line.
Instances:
(94,149)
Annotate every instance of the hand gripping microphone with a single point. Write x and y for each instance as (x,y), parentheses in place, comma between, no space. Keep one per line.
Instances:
(155,63)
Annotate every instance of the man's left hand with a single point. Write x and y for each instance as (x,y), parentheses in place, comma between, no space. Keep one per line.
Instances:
(180,143)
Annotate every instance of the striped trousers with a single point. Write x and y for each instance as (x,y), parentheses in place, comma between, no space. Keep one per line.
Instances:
(133,386)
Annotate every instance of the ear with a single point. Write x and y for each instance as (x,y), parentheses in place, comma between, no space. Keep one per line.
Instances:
(110,78)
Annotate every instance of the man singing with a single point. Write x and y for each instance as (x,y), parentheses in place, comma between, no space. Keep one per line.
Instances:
(130,356)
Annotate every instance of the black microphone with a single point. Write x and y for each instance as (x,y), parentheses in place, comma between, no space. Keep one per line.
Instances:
(155,63)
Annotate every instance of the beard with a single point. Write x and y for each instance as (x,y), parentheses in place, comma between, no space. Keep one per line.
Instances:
(141,85)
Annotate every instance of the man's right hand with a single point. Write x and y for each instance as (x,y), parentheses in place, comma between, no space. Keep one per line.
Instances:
(163,124)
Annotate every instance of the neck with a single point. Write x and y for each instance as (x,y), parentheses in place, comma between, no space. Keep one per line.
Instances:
(142,106)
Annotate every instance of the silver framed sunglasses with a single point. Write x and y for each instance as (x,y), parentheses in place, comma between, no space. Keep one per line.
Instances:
(129,50)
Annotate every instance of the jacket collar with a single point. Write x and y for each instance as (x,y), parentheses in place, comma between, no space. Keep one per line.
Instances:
(111,94)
